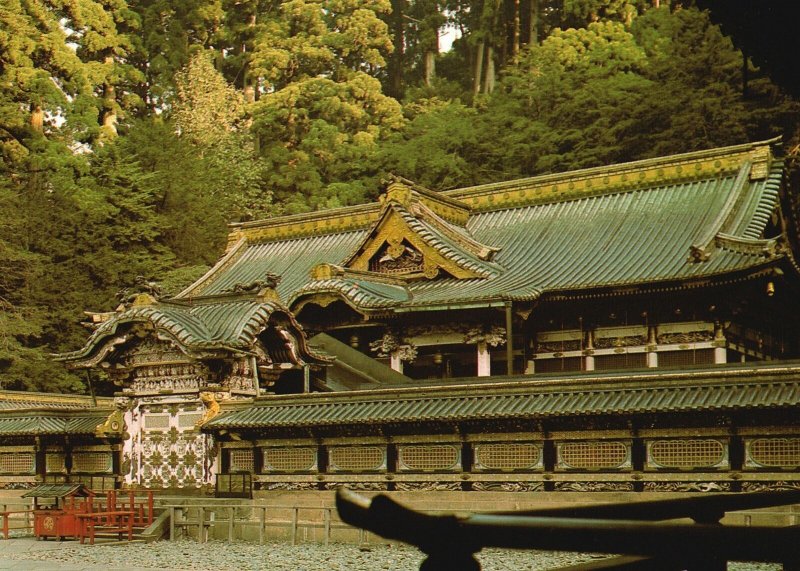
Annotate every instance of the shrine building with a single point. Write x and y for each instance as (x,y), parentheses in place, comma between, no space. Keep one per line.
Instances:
(628,328)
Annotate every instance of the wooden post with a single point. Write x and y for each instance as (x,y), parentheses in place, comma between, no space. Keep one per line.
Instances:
(294,525)
(509,334)
(201,518)
(327,516)
(172,523)
(262,519)
(231,512)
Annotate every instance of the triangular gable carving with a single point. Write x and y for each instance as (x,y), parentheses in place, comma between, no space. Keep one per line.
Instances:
(412,239)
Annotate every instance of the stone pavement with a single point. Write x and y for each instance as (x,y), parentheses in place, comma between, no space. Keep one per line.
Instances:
(27,554)
(13,551)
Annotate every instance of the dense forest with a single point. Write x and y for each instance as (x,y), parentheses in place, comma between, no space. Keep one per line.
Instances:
(132,131)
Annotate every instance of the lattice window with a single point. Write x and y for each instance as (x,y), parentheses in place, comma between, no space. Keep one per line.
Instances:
(357,458)
(702,453)
(507,456)
(17,463)
(429,457)
(242,460)
(189,419)
(777,452)
(54,462)
(290,459)
(683,358)
(620,361)
(559,365)
(156,422)
(603,455)
(91,462)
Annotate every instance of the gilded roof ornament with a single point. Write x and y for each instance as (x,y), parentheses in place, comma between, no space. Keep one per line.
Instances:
(143,292)
(264,288)
(209,400)
(114,425)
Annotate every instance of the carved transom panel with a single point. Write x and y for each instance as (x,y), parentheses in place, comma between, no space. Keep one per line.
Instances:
(91,462)
(357,458)
(16,463)
(508,456)
(686,453)
(599,455)
(242,460)
(397,257)
(772,452)
(426,457)
(290,459)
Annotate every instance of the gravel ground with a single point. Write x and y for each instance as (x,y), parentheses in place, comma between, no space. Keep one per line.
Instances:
(222,556)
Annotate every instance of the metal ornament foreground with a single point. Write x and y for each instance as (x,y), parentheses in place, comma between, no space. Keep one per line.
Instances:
(633,529)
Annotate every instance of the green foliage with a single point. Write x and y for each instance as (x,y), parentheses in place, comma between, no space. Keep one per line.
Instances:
(209,115)
(440,148)
(229,110)
(322,115)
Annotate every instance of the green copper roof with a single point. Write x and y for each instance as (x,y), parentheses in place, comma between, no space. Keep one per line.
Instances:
(22,400)
(223,323)
(720,389)
(646,229)
(51,422)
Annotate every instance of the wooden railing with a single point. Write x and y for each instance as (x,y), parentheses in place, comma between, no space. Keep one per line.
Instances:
(108,522)
(140,503)
(22,518)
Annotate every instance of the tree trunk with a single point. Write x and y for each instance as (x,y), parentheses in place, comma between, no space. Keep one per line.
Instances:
(533,25)
(430,67)
(745,73)
(476,84)
(248,82)
(397,61)
(515,42)
(488,84)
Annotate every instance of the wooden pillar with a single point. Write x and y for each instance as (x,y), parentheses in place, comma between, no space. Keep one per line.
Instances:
(720,351)
(41,459)
(589,351)
(484,360)
(509,340)
(306,379)
(652,343)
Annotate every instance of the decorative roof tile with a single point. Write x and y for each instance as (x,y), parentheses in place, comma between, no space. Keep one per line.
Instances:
(720,389)
(631,225)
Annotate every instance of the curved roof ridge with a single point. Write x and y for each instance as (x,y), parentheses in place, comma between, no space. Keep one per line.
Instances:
(464,192)
(700,250)
(150,314)
(460,235)
(360,293)
(229,258)
(767,247)
(438,239)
